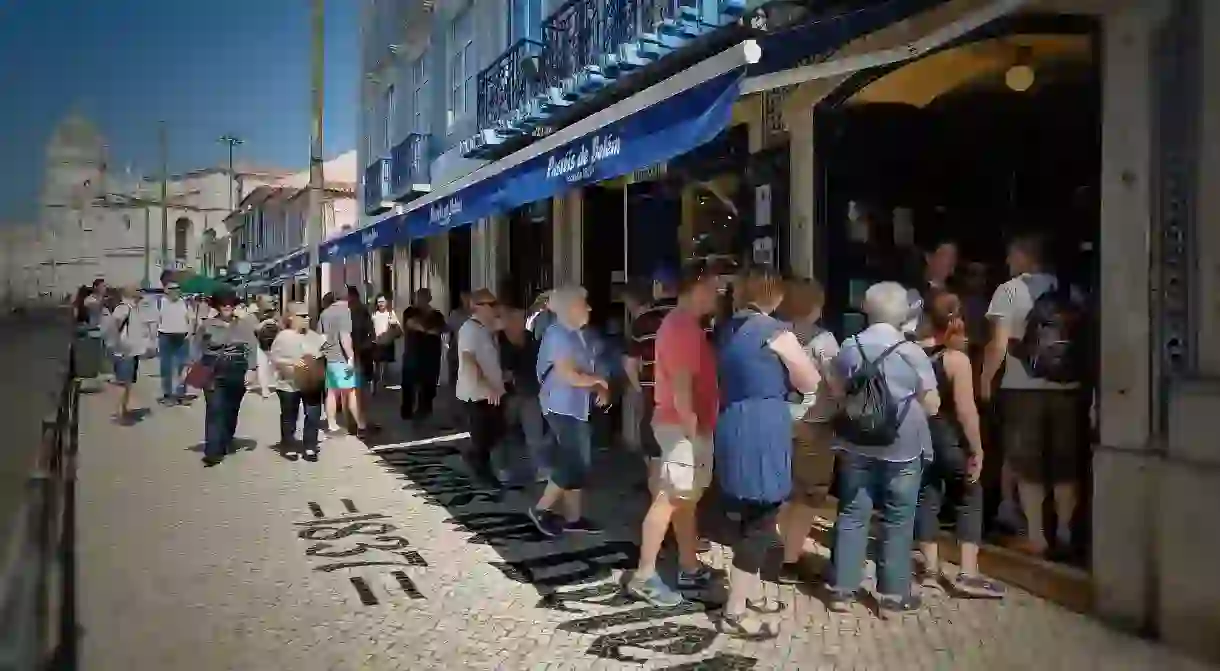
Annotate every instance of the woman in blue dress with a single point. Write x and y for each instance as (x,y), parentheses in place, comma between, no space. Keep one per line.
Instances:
(759,357)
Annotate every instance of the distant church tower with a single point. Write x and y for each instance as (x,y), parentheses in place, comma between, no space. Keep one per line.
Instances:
(73,176)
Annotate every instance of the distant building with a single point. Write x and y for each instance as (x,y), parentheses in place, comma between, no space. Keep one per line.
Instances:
(96,222)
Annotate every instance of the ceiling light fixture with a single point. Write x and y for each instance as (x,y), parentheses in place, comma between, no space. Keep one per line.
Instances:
(1020,76)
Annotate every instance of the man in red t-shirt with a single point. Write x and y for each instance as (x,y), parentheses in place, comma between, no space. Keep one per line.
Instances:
(683,421)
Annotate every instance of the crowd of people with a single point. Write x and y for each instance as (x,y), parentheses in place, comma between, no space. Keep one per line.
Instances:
(737,389)
(762,405)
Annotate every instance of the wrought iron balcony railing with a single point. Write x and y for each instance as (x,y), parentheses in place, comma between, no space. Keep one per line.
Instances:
(409,170)
(376,186)
(509,82)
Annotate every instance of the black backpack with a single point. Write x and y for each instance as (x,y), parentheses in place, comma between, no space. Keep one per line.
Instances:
(1050,347)
(869,415)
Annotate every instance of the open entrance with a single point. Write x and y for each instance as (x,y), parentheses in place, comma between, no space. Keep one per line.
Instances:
(976,145)
(530,262)
(459,265)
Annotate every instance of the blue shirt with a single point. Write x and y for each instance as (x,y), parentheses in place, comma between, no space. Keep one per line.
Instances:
(908,371)
(558,397)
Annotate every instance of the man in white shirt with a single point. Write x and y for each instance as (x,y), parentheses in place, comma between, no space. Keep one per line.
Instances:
(1040,421)
(480,383)
(175,324)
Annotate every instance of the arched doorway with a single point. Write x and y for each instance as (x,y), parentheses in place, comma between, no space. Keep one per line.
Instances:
(182,236)
(995,136)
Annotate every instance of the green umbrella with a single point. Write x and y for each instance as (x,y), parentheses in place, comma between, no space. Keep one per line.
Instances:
(200,284)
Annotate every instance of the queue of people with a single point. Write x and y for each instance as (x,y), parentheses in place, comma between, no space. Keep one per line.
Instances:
(759,404)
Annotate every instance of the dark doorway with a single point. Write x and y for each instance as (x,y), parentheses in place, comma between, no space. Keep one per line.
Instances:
(654,215)
(530,252)
(459,265)
(602,249)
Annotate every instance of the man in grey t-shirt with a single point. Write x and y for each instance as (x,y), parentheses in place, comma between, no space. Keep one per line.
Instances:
(335,323)
(1040,419)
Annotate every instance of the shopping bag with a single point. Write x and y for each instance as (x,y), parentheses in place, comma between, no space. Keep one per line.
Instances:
(199,376)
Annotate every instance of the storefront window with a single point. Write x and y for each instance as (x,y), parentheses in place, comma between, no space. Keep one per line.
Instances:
(712,220)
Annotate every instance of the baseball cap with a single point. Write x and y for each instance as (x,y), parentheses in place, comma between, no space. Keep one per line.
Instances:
(298,309)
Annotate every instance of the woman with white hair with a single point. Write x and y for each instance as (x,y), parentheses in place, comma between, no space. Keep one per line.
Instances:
(570,381)
(883,438)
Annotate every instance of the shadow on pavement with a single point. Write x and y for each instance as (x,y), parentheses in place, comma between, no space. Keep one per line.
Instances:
(568,571)
(239,445)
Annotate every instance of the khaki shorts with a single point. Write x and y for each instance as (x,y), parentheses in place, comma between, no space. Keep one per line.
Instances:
(684,469)
(813,463)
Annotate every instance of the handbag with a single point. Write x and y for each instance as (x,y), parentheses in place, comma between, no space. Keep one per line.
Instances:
(199,376)
(309,374)
(391,334)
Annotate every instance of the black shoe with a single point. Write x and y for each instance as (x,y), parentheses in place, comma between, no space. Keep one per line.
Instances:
(790,573)
(212,461)
(839,602)
(893,608)
(311,453)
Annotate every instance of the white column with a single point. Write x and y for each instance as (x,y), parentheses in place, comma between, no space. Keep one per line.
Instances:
(1123,503)
(801,198)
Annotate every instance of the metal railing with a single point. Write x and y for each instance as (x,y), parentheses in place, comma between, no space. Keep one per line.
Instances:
(409,162)
(505,85)
(376,178)
(38,621)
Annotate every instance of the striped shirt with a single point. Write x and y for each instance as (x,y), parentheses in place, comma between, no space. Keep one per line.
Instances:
(644,339)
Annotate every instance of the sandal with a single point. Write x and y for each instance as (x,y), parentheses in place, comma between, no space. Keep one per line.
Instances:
(734,626)
(766,606)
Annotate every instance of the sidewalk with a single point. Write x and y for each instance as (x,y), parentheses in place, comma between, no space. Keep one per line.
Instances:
(388,559)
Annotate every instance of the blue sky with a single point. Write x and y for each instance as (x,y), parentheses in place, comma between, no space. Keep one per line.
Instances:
(205,67)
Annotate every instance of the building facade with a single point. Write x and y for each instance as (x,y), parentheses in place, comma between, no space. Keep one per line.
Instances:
(267,231)
(96,222)
(519,145)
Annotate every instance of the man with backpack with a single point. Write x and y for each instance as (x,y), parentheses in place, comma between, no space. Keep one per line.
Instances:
(889,390)
(1037,335)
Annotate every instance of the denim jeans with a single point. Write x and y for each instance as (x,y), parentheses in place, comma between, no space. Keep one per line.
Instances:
(291,403)
(892,488)
(173,350)
(223,404)
(573,455)
(526,441)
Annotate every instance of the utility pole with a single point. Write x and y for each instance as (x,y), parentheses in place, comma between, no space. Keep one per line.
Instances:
(164,142)
(232,141)
(317,182)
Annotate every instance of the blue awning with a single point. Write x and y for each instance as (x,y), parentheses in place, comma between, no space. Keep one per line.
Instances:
(384,233)
(642,139)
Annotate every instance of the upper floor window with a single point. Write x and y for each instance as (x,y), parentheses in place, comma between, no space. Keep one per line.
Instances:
(370,135)
(461,66)
(388,129)
(525,19)
(419,94)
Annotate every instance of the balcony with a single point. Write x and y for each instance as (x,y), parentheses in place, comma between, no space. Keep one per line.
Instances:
(376,186)
(507,88)
(409,169)
(587,45)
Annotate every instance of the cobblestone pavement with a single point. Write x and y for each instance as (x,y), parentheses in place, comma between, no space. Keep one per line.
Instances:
(389,560)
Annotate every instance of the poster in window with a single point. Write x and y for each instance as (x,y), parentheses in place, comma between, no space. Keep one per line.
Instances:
(762,205)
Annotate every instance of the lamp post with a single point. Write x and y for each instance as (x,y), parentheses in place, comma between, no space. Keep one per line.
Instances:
(316,216)
(163,139)
(232,141)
